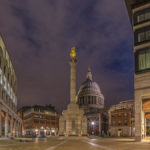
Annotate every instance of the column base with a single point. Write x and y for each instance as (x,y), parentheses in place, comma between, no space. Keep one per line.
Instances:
(138,138)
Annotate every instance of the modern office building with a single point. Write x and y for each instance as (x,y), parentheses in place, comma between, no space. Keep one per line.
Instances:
(39,121)
(139,13)
(121,119)
(10,123)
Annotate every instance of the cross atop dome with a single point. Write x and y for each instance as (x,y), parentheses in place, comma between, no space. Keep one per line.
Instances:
(89,74)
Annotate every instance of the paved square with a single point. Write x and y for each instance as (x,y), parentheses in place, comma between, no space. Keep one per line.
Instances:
(74,143)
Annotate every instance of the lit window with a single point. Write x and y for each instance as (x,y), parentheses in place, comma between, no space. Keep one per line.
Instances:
(144,36)
(119,122)
(125,122)
(125,114)
(143,17)
(143,59)
(113,123)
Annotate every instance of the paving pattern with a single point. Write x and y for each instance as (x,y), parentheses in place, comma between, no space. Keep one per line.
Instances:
(74,143)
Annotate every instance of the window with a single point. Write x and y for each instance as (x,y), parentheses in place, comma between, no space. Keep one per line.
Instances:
(142,58)
(119,115)
(36,109)
(113,123)
(36,116)
(125,114)
(142,16)
(112,115)
(42,121)
(119,122)
(36,121)
(144,36)
(125,122)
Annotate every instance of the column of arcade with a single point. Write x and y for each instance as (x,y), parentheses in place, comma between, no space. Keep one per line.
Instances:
(9,126)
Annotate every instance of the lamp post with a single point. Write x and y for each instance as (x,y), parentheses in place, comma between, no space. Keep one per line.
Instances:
(92,123)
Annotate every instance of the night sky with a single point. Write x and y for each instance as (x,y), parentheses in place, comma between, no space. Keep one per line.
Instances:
(40,33)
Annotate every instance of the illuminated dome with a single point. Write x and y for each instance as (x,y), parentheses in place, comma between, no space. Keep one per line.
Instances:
(89,94)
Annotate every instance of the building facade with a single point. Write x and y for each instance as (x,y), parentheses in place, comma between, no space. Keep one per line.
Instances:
(10,123)
(73,122)
(91,99)
(139,13)
(121,119)
(39,121)
(89,94)
(97,122)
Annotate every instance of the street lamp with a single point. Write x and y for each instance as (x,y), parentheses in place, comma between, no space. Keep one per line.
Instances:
(92,123)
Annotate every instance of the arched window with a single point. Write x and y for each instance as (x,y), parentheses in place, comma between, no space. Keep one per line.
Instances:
(89,100)
(79,100)
(94,99)
(83,100)
(4,69)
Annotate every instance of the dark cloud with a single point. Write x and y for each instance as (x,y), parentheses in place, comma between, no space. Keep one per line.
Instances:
(39,34)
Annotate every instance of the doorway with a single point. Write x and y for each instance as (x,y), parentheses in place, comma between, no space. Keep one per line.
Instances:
(148,127)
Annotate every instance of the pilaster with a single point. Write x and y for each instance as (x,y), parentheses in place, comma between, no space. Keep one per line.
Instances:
(100,124)
(0,122)
(11,126)
(6,124)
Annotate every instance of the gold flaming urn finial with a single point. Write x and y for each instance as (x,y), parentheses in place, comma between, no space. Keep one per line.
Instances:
(73,52)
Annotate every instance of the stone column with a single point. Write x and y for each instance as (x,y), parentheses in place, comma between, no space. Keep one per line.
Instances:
(6,124)
(100,124)
(14,128)
(109,123)
(0,122)
(20,129)
(138,116)
(11,126)
(17,127)
(73,63)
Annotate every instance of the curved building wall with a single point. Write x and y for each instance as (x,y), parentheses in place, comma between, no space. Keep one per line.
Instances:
(8,81)
(89,94)
(10,123)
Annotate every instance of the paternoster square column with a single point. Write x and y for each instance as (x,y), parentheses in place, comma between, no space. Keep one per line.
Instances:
(73,63)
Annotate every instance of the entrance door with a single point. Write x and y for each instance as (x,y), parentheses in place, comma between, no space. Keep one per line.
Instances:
(119,132)
(147,126)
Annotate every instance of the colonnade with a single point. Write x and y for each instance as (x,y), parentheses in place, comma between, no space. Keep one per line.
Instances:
(10,123)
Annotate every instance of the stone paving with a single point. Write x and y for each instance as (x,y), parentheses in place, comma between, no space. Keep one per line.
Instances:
(74,143)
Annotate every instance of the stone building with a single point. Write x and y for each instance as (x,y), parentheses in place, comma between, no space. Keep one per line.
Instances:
(139,13)
(73,121)
(97,121)
(39,121)
(91,99)
(10,123)
(89,94)
(121,119)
